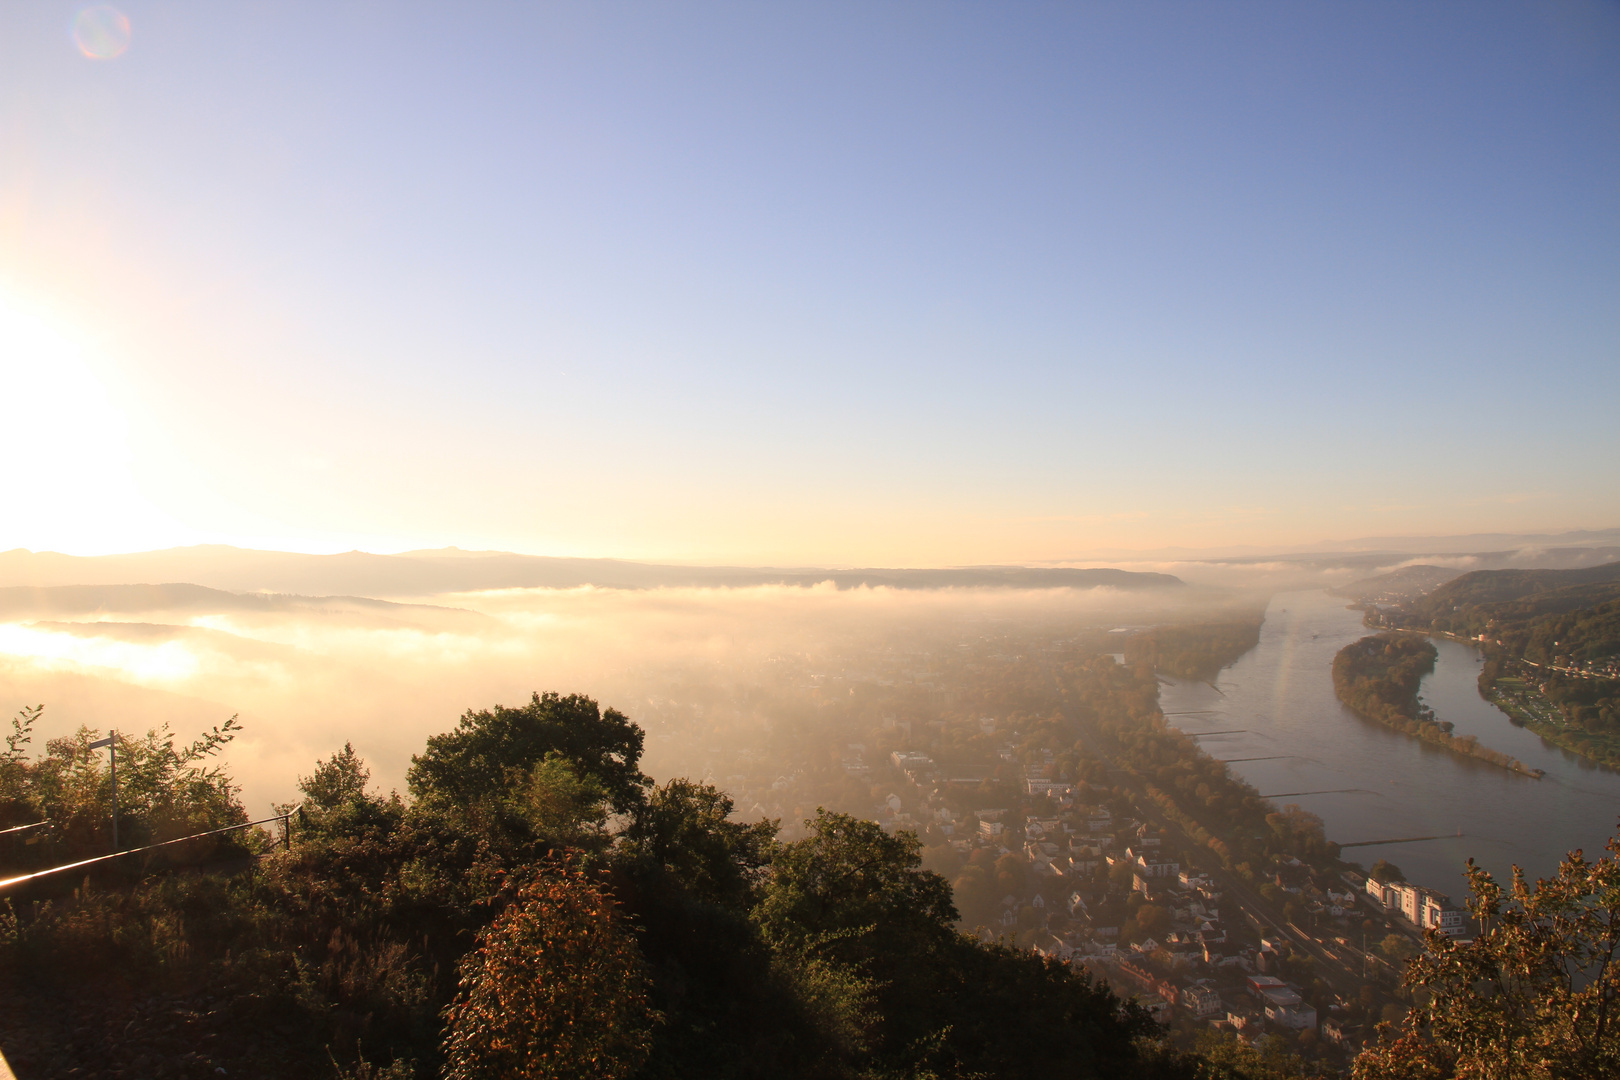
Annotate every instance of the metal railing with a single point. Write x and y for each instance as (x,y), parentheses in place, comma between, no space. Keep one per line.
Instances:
(20,828)
(286,840)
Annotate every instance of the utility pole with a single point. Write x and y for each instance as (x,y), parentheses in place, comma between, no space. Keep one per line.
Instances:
(111,743)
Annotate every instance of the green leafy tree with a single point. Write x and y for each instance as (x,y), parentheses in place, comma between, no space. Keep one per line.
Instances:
(164,791)
(1151,921)
(975,894)
(338,779)
(492,752)
(16,794)
(1384,870)
(686,829)
(850,877)
(564,804)
(1398,948)
(1533,996)
(1220,1056)
(850,907)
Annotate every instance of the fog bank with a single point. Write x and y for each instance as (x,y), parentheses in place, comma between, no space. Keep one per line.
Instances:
(308,673)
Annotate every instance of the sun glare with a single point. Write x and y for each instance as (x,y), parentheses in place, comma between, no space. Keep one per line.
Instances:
(68,481)
(168,662)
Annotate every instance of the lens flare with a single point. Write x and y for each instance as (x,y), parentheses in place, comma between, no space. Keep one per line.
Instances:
(101,32)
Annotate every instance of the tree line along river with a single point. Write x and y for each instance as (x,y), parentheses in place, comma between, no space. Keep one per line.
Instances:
(1298,744)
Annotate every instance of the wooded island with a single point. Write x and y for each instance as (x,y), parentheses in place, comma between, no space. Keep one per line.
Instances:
(1378,677)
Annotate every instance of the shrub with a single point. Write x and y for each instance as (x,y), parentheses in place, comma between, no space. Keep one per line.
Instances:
(555,988)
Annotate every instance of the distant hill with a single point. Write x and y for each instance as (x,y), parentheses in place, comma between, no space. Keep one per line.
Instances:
(1398,585)
(1574,540)
(1497,586)
(429,573)
(56,601)
(1536,615)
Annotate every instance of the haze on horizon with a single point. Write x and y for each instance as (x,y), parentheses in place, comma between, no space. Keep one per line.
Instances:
(904,285)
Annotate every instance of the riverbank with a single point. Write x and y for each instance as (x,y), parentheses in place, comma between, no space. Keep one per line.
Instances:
(1285,732)
(1377,678)
(1525,705)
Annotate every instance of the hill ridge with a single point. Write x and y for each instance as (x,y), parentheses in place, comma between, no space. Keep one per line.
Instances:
(359,573)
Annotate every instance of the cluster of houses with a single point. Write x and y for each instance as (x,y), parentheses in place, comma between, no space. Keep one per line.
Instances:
(1074,912)
(1077,911)
(1607,667)
(1322,898)
(1227,994)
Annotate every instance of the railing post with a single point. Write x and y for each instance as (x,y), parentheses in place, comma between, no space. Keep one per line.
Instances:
(111,743)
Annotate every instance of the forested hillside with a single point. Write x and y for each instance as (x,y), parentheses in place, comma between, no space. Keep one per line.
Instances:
(1545,591)
(1397,585)
(1195,651)
(1552,643)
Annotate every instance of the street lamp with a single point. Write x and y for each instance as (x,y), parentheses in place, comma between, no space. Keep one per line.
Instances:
(111,743)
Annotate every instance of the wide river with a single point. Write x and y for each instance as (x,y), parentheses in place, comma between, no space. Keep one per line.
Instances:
(1377,784)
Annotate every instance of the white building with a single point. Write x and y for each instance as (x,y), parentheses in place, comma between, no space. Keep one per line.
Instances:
(1423,908)
(1152,864)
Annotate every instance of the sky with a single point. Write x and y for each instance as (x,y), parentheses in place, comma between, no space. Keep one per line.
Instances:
(878,284)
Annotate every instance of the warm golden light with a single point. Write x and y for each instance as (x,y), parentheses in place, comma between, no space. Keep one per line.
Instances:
(68,481)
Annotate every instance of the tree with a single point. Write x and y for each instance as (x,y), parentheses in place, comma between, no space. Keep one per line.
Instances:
(1534,995)
(685,828)
(16,804)
(1012,874)
(848,876)
(1397,948)
(1221,1056)
(942,859)
(494,751)
(1384,870)
(850,905)
(975,895)
(335,781)
(563,804)
(164,792)
(555,988)
(1151,921)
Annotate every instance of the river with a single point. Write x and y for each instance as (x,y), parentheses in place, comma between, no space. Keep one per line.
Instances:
(1377,784)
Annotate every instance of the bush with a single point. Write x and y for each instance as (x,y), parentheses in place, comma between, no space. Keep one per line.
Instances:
(554,988)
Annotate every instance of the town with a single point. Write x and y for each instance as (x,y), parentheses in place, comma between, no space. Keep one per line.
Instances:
(1077,825)
(1103,886)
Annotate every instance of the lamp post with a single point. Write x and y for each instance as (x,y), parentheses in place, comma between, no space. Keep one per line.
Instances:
(111,743)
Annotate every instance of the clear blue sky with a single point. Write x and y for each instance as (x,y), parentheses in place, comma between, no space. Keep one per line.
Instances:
(900,283)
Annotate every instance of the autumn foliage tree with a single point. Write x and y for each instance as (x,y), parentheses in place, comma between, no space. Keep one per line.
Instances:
(555,987)
(1534,996)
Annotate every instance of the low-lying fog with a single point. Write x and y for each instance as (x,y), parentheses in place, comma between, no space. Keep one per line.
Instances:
(306,674)
(704,669)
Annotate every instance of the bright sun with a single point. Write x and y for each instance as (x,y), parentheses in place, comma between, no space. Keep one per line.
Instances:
(67,483)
